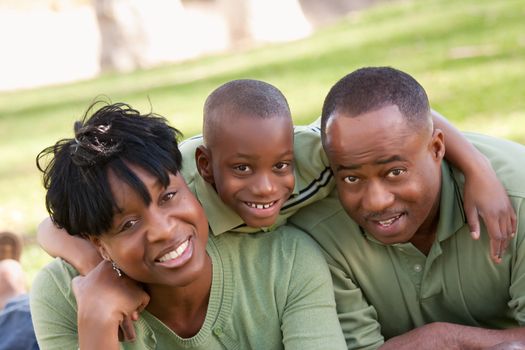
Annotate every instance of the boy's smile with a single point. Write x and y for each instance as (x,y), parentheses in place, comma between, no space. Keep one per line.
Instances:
(252,166)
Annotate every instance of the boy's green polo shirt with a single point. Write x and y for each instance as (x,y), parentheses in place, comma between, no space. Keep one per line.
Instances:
(313,181)
(387,290)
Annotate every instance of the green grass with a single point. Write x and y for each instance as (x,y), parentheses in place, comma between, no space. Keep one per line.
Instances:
(468,54)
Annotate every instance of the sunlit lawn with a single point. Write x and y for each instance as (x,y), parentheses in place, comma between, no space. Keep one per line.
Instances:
(470,56)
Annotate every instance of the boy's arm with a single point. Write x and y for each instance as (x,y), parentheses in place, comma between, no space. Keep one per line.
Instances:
(313,176)
(484,194)
(80,253)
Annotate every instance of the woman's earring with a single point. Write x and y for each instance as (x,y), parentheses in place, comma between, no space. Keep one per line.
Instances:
(115,267)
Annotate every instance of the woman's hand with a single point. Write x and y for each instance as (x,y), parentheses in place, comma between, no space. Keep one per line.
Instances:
(106,303)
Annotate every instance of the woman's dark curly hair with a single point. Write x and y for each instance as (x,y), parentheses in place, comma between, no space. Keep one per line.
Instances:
(79,198)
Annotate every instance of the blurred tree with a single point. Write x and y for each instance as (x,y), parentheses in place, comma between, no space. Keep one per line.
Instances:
(264,20)
(124,33)
(327,11)
(123,42)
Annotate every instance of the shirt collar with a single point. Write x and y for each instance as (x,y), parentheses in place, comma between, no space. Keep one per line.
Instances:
(220,217)
(451,214)
(297,187)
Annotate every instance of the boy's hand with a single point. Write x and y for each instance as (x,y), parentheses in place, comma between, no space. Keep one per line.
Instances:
(78,252)
(106,300)
(88,259)
(485,197)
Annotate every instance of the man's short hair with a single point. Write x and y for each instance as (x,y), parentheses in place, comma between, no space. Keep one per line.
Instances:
(79,197)
(245,97)
(372,88)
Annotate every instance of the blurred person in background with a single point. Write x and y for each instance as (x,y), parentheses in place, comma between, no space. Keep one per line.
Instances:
(16,328)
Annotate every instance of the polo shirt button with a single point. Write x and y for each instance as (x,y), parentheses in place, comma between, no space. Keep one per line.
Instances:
(418,268)
(217,331)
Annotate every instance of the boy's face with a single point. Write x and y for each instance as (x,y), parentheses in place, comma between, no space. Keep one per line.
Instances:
(387,173)
(252,166)
(160,243)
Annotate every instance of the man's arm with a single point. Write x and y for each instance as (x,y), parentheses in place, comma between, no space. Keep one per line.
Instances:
(313,176)
(484,194)
(442,335)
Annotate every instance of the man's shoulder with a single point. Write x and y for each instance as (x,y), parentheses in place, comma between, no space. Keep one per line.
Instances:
(506,157)
(324,210)
(326,220)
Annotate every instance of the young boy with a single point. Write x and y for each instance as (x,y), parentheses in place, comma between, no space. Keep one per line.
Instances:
(245,167)
(251,170)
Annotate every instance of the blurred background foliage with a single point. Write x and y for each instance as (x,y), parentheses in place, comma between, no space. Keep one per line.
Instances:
(468,54)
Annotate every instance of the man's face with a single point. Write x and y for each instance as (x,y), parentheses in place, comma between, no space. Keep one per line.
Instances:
(387,173)
(252,164)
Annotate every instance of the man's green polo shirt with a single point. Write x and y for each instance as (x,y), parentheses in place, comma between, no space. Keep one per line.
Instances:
(313,181)
(387,290)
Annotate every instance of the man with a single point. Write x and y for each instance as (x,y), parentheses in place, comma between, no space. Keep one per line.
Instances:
(405,269)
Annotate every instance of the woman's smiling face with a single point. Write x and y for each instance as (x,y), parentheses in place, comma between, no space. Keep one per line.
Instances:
(163,242)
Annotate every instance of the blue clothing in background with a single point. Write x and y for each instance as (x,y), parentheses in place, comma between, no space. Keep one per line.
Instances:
(16,328)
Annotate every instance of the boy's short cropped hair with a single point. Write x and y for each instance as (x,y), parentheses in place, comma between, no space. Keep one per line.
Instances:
(79,197)
(250,97)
